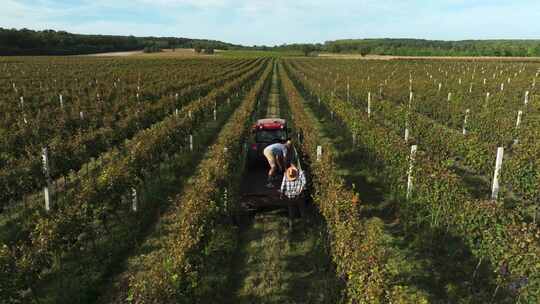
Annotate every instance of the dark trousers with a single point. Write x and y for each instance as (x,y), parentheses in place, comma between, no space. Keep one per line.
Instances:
(293,204)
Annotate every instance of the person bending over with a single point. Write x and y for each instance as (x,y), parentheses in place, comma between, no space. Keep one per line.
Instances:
(277,156)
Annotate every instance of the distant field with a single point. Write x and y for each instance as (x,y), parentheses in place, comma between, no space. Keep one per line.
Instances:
(250,54)
(165,53)
(190,53)
(391,57)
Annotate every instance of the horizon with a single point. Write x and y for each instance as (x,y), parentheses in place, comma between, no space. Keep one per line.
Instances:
(269,23)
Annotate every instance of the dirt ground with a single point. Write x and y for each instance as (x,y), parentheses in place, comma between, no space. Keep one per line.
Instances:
(164,53)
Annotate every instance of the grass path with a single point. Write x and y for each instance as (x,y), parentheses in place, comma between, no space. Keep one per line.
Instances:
(276,265)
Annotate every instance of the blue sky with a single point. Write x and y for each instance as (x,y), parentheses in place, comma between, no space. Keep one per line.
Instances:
(273,22)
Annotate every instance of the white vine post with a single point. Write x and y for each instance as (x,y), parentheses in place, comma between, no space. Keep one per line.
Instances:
(319,153)
(81,115)
(61,101)
(410,99)
(47,189)
(410,173)
(22,103)
(191,142)
(518,122)
(440,87)
(496,174)
(449,96)
(526,101)
(348,91)
(134,199)
(407,131)
(176,112)
(189,115)
(502,86)
(369,105)
(215,114)
(467,112)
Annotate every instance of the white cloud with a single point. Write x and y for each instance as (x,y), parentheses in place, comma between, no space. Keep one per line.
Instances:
(279,21)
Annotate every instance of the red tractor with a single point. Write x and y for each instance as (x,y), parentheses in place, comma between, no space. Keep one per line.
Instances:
(265,132)
(254,194)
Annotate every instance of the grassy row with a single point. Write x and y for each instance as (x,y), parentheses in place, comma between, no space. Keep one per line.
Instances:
(25,175)
(439,200)
(359,246)
(173,272)
(87,215)
(521,170)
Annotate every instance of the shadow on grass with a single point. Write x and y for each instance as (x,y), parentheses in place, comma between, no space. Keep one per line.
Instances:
(277,265)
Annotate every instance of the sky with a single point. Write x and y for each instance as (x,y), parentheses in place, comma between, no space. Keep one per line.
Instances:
(275,22)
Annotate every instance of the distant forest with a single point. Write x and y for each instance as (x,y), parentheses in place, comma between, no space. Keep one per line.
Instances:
(421,47)
(50,42)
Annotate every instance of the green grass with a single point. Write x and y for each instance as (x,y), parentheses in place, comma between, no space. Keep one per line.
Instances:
(273,264)
(248,53)
(276,265)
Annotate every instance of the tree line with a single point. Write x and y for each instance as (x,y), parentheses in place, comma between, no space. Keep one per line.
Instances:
(50,42)
(421,47)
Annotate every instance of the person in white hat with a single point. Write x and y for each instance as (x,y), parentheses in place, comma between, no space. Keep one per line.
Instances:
(292,188)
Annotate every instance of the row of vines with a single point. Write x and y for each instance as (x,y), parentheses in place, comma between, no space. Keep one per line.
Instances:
(358,245)
(87,119)
(501,235)
(69,250)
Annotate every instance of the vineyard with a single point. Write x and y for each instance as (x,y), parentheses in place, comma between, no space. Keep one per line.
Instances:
(120,181)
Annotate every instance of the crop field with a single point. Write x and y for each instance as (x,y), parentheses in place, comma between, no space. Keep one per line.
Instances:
(121,180)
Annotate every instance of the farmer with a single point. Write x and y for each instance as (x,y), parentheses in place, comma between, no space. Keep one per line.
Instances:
(292,186)
(277,156)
